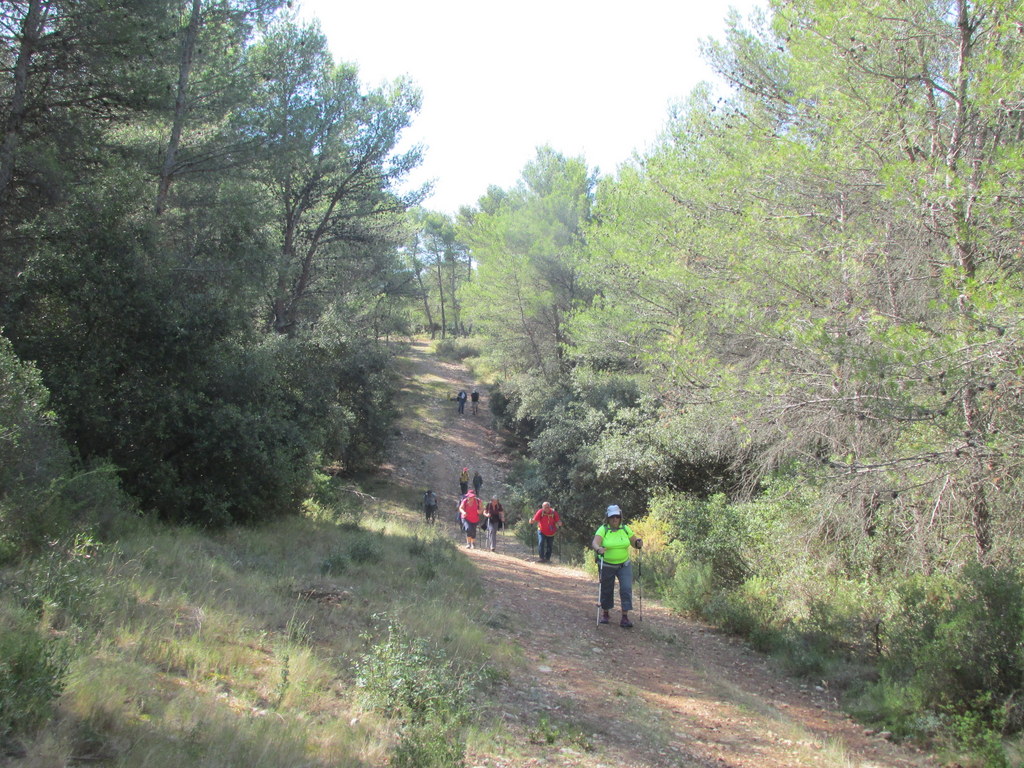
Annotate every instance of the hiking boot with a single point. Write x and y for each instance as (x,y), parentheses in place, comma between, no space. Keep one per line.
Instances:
(625,623)
(604,618)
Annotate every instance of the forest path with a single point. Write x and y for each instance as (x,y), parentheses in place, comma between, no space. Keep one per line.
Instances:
(670,692)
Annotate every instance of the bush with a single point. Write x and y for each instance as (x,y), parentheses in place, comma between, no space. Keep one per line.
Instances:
(32,459)
(690,588)
(365,551)
(414,682)
(456,349)
(711,531)
(956,639)
(33,669)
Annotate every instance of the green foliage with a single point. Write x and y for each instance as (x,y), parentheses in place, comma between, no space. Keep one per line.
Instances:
(955,639)
(710,531)
(213,357)
(33,669)
(415,683)
(43,497)
(31,452)
(364,551)
(456,349)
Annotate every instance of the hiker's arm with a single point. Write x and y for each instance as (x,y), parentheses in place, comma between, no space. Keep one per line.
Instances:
(637,542)
(596,544)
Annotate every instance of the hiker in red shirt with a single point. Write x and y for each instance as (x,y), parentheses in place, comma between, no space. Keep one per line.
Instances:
(548,522)
(469,512)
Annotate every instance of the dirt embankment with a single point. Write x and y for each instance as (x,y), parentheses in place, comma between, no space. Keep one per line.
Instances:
(670,692)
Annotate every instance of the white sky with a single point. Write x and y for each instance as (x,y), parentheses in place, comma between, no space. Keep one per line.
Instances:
(592,78)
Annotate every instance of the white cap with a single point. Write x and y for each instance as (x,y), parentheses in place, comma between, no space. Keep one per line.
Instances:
(614,510)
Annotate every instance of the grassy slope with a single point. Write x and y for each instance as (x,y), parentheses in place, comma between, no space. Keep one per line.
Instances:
(243,647)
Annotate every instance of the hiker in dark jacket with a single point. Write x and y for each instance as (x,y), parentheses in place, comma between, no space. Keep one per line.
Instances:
(495,515)
(429,505)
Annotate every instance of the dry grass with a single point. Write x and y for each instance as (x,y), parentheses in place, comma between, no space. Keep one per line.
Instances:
(241,647)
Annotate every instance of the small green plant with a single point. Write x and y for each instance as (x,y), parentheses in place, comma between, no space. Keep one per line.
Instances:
(408,678)
(548,732)
(418,547)
(978,732)
(282,683)
(425,745)
(425,571)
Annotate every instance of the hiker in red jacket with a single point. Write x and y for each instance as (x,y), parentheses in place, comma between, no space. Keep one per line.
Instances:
(469,512)
(548,522)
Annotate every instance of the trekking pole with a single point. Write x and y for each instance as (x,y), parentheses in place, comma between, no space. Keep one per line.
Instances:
(640,585)
(600,578)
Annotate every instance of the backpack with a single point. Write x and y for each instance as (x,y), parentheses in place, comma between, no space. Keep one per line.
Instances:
(602,531)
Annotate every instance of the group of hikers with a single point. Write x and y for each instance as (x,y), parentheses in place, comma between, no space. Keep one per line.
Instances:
(611,541)
(473,397)
(471,514)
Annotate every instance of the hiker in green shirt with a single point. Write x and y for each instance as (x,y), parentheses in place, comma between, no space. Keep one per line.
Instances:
(612,542)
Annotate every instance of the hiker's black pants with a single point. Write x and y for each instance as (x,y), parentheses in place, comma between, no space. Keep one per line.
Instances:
(609,573)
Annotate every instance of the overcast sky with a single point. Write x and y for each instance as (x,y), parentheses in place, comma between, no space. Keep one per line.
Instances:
(588,77)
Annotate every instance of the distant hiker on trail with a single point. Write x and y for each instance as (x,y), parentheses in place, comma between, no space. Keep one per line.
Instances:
(461,398)
(477,482)
(464,481)
(429,505)
(474,397)
(548,522)
(469,511)
(495,514)
(611,542)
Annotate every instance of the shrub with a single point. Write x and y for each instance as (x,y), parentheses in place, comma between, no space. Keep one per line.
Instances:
(690,589)
(334,564)
(955,639)
(33,669)
(456,349)
(414,682)
(364,551)
(711,531)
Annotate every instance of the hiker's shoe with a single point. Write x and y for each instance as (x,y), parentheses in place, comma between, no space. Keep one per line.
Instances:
(625,623)
(604,618)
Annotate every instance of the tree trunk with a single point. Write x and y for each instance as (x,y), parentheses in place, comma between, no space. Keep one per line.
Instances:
(440,288)
(31,31)
(188,47)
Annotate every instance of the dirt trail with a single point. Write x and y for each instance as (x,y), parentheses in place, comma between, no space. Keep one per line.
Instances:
(670,692)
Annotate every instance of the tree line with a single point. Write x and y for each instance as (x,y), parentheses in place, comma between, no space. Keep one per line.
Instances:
(790,335)
(200,236)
